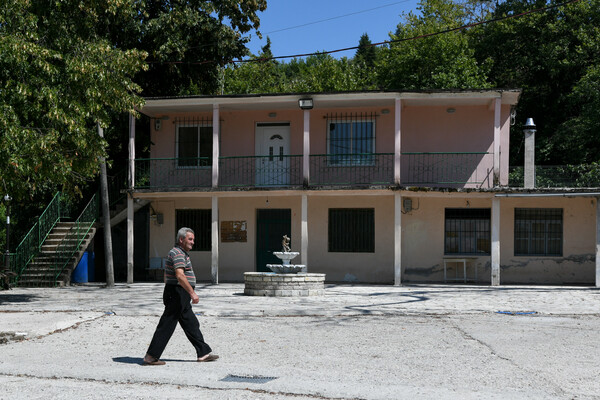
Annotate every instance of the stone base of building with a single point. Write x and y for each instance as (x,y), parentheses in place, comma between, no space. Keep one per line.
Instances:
(283,285)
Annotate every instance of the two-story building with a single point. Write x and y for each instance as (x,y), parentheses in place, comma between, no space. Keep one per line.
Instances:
(371,187)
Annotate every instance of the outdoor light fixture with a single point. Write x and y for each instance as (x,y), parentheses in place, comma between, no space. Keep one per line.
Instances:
(451,110)
(305,104)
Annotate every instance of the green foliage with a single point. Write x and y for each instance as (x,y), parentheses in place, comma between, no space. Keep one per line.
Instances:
(58,77)
(553,57)
(418,58)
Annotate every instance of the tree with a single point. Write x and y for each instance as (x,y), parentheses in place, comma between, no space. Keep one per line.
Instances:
(419,58)
(58,77)
(553,56)
(188,42)
(366,54)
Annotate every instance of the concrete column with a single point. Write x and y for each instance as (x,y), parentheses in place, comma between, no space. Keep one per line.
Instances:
(108,251)
(397,141)
(597,241)
(495,259)
(215,144)
(397,239)
(529,162)
(130,210)
(306,149)
(214,266)
(304,231)
(497,149)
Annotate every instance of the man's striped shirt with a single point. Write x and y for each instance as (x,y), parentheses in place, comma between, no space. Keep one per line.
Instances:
(179,258)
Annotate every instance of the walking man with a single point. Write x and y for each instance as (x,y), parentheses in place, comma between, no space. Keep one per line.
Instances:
(180,282)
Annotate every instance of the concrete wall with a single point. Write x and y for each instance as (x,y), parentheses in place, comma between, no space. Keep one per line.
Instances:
(422,238)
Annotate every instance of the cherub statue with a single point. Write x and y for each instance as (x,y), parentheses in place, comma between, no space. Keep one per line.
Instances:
(286,243)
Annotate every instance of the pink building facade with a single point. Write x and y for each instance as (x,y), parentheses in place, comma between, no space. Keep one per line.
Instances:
(371,187)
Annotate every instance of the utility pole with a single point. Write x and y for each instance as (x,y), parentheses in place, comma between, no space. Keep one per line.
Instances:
(108,252)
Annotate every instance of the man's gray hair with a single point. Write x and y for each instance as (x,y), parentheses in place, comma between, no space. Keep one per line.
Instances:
(182,233)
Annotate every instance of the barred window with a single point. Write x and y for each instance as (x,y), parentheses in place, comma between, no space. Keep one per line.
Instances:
(194,146)
(200,222)
(351,230)
(538,231)
(351,139)
(467,231)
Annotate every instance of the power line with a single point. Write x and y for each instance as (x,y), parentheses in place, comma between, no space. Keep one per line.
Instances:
(379,43)
(337,17)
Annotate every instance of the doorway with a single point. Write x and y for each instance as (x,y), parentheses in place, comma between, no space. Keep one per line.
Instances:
(271,225)
(272,151)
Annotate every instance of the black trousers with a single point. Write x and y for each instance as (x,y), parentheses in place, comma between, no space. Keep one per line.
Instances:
(177,309)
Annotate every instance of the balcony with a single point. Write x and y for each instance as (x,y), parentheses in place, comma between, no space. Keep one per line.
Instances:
(441,169)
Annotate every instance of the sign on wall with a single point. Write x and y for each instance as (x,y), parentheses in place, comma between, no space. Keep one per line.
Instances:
(233,231)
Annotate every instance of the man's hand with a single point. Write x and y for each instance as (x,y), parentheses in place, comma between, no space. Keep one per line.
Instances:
(180,275)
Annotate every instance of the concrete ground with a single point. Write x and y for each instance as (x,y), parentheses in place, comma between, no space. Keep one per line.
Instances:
(355,342)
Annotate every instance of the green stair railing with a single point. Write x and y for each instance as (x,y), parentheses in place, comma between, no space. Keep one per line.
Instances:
(71,244)
(31,244)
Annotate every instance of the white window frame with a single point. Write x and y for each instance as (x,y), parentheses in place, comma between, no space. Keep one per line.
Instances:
(177,156)
(364,160)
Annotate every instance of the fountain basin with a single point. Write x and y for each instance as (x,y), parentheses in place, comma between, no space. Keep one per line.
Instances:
(286,268)
(283,285)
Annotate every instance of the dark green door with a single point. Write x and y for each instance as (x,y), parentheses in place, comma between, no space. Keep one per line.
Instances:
(271,225)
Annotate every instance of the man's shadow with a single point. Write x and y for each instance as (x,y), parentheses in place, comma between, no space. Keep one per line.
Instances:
(140,360)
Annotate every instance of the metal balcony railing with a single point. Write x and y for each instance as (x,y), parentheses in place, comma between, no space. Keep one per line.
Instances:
(352,169)
(429,169)
(559,176)
(447,169)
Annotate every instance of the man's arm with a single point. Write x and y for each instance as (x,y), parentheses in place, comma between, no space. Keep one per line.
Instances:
(180,275)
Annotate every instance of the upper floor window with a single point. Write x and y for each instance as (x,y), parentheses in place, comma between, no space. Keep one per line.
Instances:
(538,231)
(194,145)
(350,139)
(467,231)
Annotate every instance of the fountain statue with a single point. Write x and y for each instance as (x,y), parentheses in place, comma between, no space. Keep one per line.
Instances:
(285,256)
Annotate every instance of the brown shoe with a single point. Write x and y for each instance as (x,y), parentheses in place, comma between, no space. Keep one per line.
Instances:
(211,357)
(152,361)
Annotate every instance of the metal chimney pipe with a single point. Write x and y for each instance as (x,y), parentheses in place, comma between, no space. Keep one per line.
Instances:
(529,163)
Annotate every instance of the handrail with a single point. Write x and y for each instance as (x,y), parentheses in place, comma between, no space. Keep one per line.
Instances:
(31,244)
(76,235)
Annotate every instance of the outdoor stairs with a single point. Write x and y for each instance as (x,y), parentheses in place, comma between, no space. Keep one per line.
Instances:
(39,272)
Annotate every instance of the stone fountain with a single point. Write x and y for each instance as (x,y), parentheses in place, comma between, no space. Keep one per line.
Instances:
(286,255)
(286,280)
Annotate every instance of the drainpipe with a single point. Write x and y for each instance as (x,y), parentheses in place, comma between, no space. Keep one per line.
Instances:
(529,164)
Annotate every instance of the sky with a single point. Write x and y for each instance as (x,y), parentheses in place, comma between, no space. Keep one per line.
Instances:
(308,26)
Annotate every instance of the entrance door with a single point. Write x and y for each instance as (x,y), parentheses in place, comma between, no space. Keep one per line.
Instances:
(271,225)
(273,149)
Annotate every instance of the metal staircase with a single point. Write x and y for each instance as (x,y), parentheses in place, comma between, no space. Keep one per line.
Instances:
(42,271)
(53,247)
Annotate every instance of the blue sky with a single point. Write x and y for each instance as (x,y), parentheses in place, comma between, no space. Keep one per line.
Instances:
(307,26)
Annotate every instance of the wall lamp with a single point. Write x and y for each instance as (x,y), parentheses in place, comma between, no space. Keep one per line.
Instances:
(158,122)
(306,104)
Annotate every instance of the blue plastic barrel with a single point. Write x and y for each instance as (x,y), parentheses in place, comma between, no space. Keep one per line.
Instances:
(80,273)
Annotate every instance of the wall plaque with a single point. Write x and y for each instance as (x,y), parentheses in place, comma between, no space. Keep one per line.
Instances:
(233,231)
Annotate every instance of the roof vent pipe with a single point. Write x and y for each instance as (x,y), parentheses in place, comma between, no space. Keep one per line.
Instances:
(529,162)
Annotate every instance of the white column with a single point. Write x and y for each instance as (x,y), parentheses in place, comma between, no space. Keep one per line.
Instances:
(304,232)
(306,149)
(397,239)
(397,140)
(597,241)
(130,211)
(495,259)
(215,144)
(497,109)
(214,266)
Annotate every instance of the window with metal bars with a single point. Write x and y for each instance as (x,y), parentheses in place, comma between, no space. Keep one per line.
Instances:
(200,222)
(467,231)
(351,139)
(194,143)
(351,230)
(538,231)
